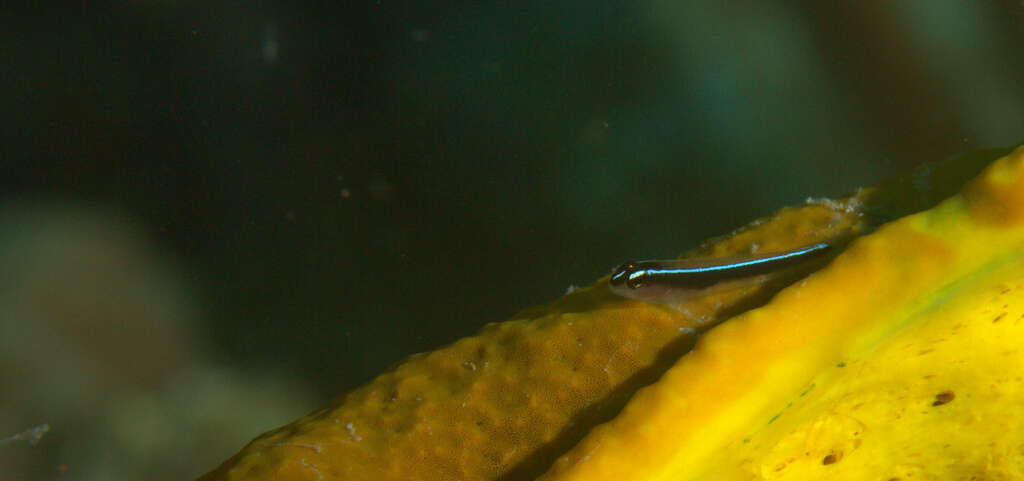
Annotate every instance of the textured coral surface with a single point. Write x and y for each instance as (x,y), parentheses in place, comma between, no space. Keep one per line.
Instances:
(505,403)
(896,361)
(899,361)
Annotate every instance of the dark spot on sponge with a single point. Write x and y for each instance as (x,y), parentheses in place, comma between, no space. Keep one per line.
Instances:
(831,458)
(943,398)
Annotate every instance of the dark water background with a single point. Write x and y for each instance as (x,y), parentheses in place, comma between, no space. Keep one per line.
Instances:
(303,193)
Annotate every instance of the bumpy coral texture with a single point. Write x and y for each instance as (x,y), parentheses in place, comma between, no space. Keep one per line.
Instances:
(901,360)
(505,403)
(898,361)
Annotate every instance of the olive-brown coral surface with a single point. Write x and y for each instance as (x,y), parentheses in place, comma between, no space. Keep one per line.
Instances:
(835,375)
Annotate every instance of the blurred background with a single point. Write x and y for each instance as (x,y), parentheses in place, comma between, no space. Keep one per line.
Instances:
(215,216)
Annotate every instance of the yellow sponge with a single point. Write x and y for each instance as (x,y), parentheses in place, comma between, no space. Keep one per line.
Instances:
(505,403)
(897,361)
(902,360)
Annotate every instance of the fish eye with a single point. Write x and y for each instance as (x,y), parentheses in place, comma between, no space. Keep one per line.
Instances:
(635,280)
(622,274)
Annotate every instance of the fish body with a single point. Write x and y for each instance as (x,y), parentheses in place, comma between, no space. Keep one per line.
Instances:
(674,281)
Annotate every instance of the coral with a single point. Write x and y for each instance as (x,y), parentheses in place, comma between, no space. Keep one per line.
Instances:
(898,339)
(505,403)
(900,360)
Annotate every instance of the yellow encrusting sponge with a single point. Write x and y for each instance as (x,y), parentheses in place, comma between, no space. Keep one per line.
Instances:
(504,404)
(900,360)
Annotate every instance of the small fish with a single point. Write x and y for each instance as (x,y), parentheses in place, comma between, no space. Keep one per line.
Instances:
(674,281)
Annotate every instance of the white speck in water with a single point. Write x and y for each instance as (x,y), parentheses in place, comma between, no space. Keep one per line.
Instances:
(572,288)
